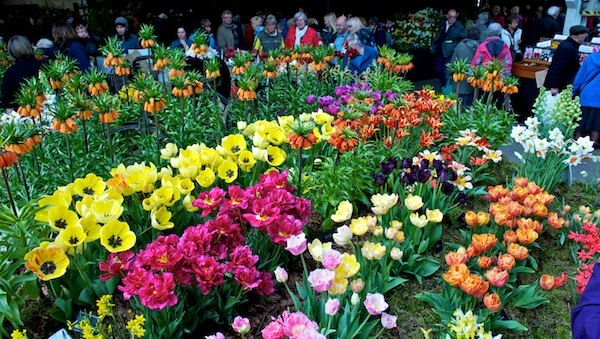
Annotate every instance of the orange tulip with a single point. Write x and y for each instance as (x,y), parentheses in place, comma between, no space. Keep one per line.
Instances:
(526,236)
(458,257)
(483,242)
(546,282)
(483,218)
(506,261)
(484,261)
(510,237)
(471,218)
(555,221)
(496,192)
(492,301)
(497,277)
(474,285)
(456,274)
(518,251)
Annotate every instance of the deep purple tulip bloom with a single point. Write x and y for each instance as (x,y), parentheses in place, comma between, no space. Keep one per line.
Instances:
(463,198)
(388,166)
(380,179)
(447,188)
(423,175)
(406,163)
(310,99)
(424,163)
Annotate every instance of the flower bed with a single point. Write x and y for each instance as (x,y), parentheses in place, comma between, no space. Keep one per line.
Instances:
(189,206)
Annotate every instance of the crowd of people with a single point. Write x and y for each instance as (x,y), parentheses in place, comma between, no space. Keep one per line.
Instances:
(498,33)
(502,37)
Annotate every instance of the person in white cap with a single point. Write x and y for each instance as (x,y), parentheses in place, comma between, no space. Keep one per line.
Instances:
(128,40)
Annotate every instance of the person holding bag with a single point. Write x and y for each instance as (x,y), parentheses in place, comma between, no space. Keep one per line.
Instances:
(587,85)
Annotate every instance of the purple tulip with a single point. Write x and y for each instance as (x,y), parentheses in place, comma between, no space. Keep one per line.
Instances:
(310,99)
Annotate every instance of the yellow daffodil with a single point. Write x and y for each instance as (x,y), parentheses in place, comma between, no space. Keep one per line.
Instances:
(161,218)
(105,306)
(343,212)
(418,220)
(135,326)
(73,235)
(47,261)
(116,236)
(228,171)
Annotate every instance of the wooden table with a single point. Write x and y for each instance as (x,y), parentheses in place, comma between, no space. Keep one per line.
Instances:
(527,68)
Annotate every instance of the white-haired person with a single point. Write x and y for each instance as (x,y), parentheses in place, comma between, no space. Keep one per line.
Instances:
(360,57)
(301,34)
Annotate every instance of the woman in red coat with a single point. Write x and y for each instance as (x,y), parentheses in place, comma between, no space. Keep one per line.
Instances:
(301,34)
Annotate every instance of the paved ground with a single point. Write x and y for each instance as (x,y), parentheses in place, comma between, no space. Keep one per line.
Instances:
(587,171)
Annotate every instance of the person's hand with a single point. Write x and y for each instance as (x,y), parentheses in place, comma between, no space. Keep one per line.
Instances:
(554,91)
(83,34)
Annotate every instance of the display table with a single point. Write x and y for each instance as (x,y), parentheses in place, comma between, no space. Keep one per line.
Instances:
(527,68)
(528,85)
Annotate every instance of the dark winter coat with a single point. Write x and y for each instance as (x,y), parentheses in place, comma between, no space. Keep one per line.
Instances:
(446,41)
(465,50)
(15,75)
(564,66)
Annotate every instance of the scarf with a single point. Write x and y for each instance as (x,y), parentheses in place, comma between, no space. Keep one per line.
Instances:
(299,34)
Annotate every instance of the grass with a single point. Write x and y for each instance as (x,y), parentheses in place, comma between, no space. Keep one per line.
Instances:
(551,320)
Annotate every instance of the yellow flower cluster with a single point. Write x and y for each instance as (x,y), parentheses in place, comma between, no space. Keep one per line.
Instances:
(135,326)
(16,334)
(104,305)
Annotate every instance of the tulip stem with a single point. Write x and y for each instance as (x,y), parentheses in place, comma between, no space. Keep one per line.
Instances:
(23,178)
(156,129)
(10,196)
(70,155)
(85,138)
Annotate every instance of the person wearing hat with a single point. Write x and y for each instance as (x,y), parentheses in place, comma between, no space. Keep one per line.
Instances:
(128,40)
(565,61)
